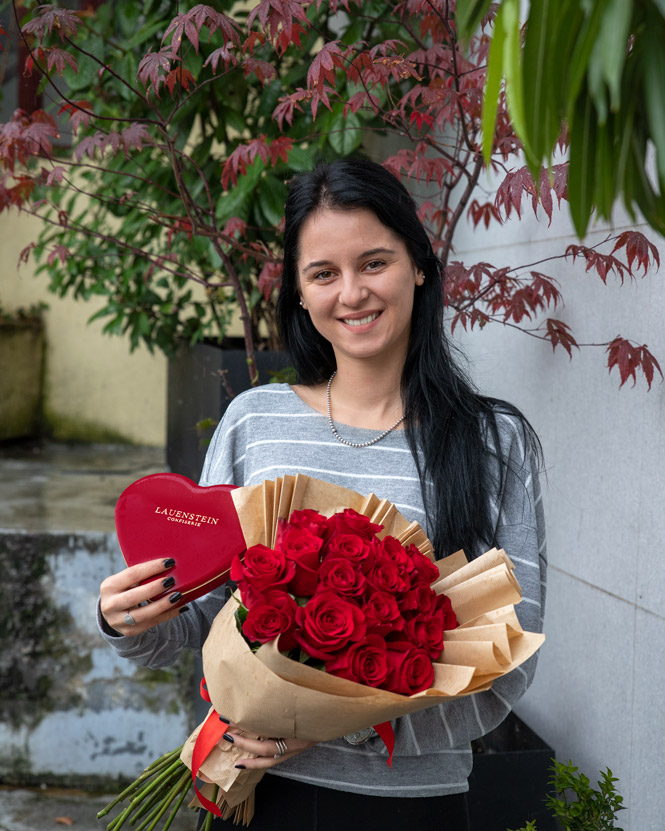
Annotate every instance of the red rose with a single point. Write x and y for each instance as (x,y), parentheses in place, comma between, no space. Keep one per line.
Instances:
(425,568)
(341,576)
(365,662)
(349,546)
(382,614)
(311,521)
(427,632)
(394,550)
(351,522)
(270,616)
(302,547)
(418,599)
(449,617)
(385,577)
(261,570)
(327,624)
(410,669)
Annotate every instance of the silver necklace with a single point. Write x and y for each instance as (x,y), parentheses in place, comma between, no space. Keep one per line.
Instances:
(355,443)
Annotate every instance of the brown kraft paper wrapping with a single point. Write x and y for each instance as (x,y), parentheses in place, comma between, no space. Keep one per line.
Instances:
(294,700)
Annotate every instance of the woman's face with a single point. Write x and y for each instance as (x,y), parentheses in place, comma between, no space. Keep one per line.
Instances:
(357,281)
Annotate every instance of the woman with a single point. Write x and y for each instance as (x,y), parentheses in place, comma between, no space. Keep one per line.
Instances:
(380,407)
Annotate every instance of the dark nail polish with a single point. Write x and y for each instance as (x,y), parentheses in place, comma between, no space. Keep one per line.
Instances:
(170,581)
(176,597)
(169,562)
(183,609)
(241,767)
(225,720)
(228,738)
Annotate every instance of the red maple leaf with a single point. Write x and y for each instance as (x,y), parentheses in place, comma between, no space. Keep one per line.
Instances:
(277,16)
(638,249)
(58,58)
(235,224)
(288,104)
(60,252)
(79,113)
(324,65)
(223,54)
(180,75)
(602,263)
(484,213)
(263,70)
(134,136)
(270,279)
(628,359)
(559,334)
(153,68)
(50,17)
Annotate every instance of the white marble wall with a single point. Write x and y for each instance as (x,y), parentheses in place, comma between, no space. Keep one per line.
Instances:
(598,695)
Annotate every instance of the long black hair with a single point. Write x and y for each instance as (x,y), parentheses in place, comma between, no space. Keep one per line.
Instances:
(447,421)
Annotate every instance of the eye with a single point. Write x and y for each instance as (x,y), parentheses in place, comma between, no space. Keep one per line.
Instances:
(322,276)
(375,265)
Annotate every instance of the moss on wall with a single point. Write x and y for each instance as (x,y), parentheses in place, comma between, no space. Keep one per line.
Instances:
(38,658)
(67,429)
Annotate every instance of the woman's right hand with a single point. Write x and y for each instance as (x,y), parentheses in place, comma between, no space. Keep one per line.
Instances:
(122,595)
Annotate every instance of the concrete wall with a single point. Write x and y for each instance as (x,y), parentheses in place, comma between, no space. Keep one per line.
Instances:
(95,389)
(597,697)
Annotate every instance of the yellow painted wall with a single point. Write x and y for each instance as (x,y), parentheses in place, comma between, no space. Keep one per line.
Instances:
(94,388)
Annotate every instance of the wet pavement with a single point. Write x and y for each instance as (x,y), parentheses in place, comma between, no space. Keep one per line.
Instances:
(74,488)
(50,809)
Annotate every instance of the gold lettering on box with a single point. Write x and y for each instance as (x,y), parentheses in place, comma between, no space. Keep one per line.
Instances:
(185,517)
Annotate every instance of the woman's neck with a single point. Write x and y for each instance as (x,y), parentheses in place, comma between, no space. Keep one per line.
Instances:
(362,394)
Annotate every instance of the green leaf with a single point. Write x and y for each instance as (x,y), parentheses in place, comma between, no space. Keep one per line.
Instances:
(579,60)
(272,195)
(513,72)
(493,84)
(653,70)
(345,132)
(609,51)
(468,15)
(581,173)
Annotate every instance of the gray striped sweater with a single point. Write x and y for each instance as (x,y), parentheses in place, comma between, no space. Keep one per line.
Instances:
(269,432)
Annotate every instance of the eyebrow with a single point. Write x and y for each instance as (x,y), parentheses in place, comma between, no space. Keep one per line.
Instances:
(372,252)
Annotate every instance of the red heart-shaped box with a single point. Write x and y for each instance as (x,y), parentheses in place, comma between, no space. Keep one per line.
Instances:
(167,515)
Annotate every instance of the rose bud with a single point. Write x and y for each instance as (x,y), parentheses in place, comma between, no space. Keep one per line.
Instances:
(311,521)
(425,568)
(426,631)
(302,548)
(351,522)
(349,546)
(394,550)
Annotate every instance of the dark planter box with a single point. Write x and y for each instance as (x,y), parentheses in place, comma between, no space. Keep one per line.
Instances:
(196,393)
(509,780)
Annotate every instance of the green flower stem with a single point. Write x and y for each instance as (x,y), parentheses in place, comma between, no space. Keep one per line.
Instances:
(208,820)
(148,773)
(159,810)
(176,807)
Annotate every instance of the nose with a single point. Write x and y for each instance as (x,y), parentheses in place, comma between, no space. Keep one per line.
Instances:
(352,291)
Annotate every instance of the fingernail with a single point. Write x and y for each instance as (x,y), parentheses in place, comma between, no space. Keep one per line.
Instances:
(170,581)
(176,597)
(225,720)
(228,738)
(241,767)
(169,562)
(183,609)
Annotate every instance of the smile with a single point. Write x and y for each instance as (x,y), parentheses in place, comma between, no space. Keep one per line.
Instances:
(360,321)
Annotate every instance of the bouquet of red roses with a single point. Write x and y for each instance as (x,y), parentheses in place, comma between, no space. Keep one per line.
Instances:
(339,598)
(341,582)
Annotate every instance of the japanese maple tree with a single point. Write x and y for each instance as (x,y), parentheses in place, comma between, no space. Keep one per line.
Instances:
(159,165)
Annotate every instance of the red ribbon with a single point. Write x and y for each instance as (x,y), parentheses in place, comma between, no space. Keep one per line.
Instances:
(387,734)
(212,731)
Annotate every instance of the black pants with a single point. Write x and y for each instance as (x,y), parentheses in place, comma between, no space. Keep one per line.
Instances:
(284,804)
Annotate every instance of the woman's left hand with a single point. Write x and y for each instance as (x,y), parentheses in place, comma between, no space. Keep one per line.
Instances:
(266,753)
